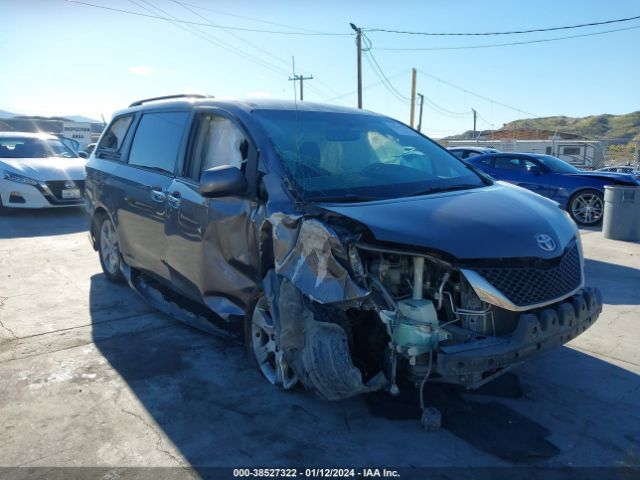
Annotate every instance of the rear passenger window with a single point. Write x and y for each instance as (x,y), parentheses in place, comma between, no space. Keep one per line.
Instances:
(157,139)
(111,143)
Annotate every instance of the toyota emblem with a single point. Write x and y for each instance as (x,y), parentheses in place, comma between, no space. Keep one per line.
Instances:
(545,242)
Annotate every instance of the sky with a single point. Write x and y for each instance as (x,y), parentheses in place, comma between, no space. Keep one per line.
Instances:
(64,58)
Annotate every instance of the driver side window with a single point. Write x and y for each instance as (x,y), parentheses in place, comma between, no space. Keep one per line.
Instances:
(218,142)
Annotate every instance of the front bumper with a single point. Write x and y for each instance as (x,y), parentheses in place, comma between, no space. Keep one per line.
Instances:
(32,196)
(473,363)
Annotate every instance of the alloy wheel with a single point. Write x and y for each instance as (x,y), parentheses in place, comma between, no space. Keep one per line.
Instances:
(266,349)
(587,208)
(109,247)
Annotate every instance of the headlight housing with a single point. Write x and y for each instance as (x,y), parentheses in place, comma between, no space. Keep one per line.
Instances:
(14,177)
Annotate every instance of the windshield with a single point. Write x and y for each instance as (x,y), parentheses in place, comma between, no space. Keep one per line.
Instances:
(29,147)
(556,165)
(353,157)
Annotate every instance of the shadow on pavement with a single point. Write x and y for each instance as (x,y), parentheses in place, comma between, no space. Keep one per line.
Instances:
(20,223)
(214,407)
(619,285)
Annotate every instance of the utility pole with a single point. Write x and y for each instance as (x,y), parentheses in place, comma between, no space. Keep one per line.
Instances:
(475,116)
(302,78)
(420,114)
(413,96)
(359,48)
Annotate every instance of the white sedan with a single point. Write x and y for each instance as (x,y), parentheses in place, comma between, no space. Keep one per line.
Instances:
(39,171)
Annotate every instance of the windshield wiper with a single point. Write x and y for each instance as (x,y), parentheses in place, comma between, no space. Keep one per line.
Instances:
(450,188)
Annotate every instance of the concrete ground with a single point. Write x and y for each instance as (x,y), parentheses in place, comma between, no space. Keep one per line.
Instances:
(91,376)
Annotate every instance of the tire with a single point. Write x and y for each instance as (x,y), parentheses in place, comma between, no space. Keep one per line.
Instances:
(108,252)
(586,207)
(261,340)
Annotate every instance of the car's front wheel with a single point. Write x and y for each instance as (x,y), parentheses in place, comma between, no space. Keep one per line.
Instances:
(108,250)
(587,207)
(263,343)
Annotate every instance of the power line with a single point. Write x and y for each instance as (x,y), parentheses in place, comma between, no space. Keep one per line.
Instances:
(462,89)
(367,87)
(238,37)
(385,81)
(201,24)
(292,27)
(375,66)
(402,98)
(491,45)
(444,111)
(380,73)
(511,32)
(219,43)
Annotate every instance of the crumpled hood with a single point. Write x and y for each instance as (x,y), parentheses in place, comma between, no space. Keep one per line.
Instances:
(626,178)
(499,221)
(46,169)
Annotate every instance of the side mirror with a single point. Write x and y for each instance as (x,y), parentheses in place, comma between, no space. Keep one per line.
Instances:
(83,154)
(221,181)
(535,170)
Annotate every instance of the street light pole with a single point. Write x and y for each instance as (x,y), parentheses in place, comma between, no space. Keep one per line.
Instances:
(359,53)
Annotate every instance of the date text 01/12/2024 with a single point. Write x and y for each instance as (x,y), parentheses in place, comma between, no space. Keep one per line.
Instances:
(316,472)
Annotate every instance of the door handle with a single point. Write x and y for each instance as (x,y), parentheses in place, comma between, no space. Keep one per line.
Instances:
(158,195)
(173,199)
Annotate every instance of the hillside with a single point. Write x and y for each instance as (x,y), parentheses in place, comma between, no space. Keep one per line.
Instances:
(622,128)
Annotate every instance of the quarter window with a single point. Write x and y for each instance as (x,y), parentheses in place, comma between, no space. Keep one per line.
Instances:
(157,140)
(111,143)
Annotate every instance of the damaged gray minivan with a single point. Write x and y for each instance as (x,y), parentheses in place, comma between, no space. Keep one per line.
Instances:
(345,248)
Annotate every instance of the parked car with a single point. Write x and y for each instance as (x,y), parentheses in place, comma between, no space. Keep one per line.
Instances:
(39,171)
(580,193)
(466,152)
(628,169)
(346,248)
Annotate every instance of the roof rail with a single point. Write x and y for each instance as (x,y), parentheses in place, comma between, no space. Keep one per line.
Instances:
(167,97)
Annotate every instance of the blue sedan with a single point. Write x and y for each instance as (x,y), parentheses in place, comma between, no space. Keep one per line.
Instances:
(580,193)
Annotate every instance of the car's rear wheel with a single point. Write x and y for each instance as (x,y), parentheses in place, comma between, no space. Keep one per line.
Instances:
(587,207)
(108,250)
(263,343)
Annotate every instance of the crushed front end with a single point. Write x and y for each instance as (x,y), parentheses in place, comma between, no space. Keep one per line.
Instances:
(468,322)
(355,316)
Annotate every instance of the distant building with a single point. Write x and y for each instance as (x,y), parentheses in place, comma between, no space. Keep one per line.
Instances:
(83,132)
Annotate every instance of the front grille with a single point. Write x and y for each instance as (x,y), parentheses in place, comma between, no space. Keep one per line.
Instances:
(57,186)
(527,285)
